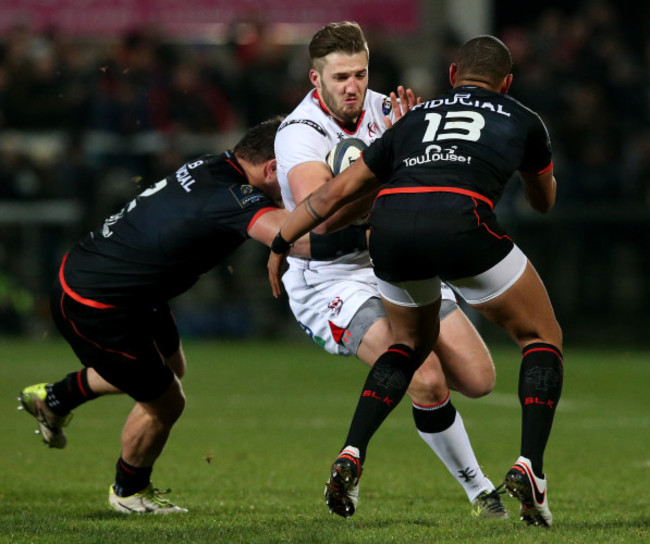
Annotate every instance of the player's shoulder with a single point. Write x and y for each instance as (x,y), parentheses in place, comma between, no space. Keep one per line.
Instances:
(248,196)
(521,107)
(307,118)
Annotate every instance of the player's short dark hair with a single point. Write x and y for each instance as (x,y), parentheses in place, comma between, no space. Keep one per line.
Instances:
(484,58)
(344,37)
(256,146)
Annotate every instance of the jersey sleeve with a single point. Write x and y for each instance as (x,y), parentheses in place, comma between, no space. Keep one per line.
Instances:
(299,141)
(537,150)
(238,207)
(379,156)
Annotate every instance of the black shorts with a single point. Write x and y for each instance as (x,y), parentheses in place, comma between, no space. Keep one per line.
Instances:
(126,345)
(424,235)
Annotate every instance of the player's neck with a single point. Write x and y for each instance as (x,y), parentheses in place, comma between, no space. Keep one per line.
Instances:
(475,83)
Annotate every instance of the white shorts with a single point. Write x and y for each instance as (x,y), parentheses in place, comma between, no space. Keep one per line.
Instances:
(474,290)
(325,305)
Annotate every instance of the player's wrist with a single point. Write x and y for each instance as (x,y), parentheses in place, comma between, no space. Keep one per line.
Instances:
(280,245)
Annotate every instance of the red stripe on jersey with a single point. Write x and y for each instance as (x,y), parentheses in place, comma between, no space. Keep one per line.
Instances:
(406,190)
(321,103)
(324,108)
(549,167)
(258,215)
(75,296)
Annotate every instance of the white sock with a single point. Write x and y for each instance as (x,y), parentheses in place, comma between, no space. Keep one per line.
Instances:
(455,451)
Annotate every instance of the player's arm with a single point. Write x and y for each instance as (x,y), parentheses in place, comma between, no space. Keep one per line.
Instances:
(540,189)
(267,226)
(354,182)
(307,177)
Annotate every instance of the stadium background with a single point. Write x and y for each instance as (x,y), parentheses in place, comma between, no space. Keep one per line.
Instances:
(93,98)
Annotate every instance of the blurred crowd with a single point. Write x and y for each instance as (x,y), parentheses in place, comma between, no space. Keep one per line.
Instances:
(142,103)
(589,78)
(76,115)
(77,119)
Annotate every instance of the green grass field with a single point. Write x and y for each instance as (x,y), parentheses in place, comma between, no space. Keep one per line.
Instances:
(263,422)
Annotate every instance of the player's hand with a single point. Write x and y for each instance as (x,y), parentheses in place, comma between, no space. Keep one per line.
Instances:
(275,267)
(401,102)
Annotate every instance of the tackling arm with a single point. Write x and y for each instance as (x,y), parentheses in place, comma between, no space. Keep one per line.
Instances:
(268,225)
(354,182)
(305,178)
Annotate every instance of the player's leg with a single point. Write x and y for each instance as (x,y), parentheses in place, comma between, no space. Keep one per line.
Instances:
(52,403)
(136,362)
(120,345)
(436,419)
(147,429)
(524,311)
(144,436)
(512,295)
(414,331)
(464,357)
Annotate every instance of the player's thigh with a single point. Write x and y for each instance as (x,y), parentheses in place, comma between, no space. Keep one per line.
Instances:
(524,311)
(375,341)
(379,336)
(118,343)
(414,323)
(464,357)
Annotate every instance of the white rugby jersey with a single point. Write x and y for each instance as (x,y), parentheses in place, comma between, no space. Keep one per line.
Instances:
(310,132)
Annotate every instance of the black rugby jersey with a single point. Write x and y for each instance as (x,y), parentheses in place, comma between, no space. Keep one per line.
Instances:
(159,244)
(469,140)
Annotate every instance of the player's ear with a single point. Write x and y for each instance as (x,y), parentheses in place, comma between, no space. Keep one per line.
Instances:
(453,71)
(505,86)
(314,77)
(271,170)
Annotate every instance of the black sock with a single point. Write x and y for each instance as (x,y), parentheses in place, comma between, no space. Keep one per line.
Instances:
(70,392)
(434,419)
(130,479)
(385,386)
(540,386)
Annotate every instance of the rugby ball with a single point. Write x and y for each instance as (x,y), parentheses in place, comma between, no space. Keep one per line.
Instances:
(344,154)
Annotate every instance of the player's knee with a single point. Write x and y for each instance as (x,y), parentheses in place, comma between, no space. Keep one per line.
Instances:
(177,363)
(550,333)
(481,384)
(428,388)
(169,407)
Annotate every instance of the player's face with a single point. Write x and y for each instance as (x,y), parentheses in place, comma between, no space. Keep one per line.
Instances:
(342,84)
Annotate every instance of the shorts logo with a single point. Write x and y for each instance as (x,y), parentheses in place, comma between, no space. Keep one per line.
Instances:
(335,306)
(320,341)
